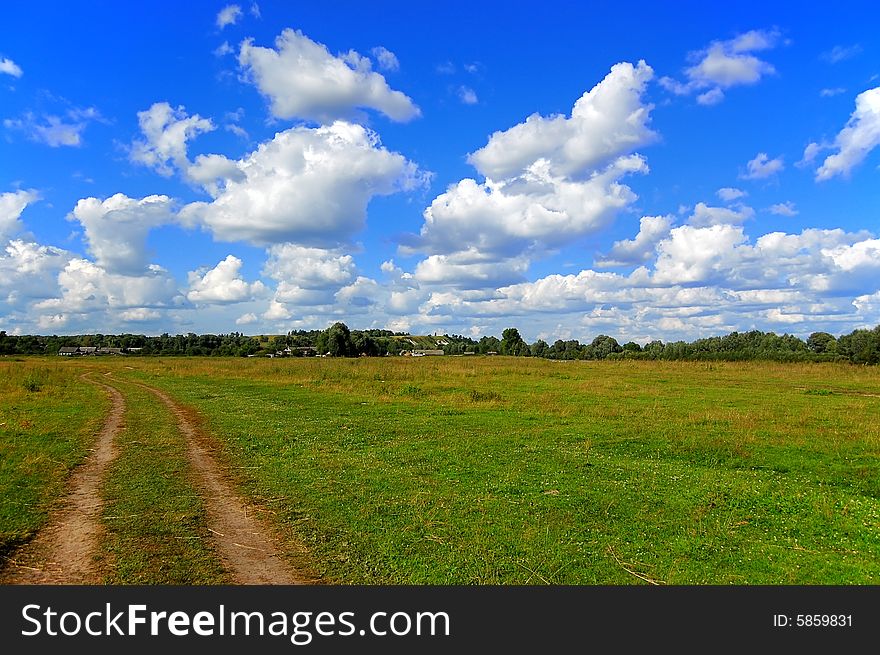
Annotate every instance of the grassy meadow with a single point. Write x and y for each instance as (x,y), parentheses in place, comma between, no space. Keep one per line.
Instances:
(48,419)
(493,470)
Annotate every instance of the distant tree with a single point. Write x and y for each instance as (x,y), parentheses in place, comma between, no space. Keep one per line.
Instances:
(364,344)
(488,345)
(511,342)
(339,340)
(540,348)
(822,343)
(632,346)
(604,345)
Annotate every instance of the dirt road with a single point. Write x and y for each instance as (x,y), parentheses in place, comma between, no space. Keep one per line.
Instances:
(65,551)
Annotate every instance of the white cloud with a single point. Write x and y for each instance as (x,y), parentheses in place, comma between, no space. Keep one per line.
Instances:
(12,204)
(255,10)
(841,53)
(9,67)
(117,228)
(640,249)
(222,284)
(166,132)
(140,315)
(29,271)
(386,59)
(212,172)
(830,93)
(467,95)
(704,215)
(86,287)
(811,151)
(308,276)
(276,312)
(729,194)
(786,208)
(762,167)
(229,15)
(694,254)
(247,319)
(856,140)
(549,181)
(725,64)
(711,97)
(302,79)
(53,130)
(537,209)
(605,122)
(470,269)
(223,49)
(706,280)
(306,185)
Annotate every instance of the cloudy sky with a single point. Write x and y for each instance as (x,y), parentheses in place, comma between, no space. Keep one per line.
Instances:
(671,170)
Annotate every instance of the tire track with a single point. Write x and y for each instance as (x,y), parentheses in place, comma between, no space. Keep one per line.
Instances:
(244,543)
(64,551)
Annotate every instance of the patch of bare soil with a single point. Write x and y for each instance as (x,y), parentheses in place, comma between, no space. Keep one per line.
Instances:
(244,542)
(64,551)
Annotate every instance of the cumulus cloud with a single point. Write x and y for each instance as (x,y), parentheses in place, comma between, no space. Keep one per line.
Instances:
(87,287)
(786,208)
(729,194)
(229,15)
(55,130)
(471,269)
(725,64)
(386,59)
(306,185)
(222,284)
(605,122)
(308,276)
(548,181)
(166,131)
(705,215)
(302,79)
(12,204)
(535,210)
(117,228)
(140,315)
(704,279)
(856,140)
(762,167)
(640,249)
(247,319)
(29,271)
(9,67)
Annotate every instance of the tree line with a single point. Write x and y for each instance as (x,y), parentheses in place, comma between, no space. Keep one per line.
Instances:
(858,347)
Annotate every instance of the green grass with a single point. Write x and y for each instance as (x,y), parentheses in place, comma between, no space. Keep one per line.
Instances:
(495,470)
(48,420)
(155,520)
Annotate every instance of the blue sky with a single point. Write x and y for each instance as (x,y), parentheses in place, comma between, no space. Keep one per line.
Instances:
(649,171)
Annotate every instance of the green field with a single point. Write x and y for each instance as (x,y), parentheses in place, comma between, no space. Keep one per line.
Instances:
(491,470)
(48,418)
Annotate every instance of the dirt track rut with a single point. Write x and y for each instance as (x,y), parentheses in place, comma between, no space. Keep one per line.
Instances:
(243,541)
(64,551)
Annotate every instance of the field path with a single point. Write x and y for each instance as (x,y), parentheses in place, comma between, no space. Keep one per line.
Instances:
(246,547)
(63,552)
